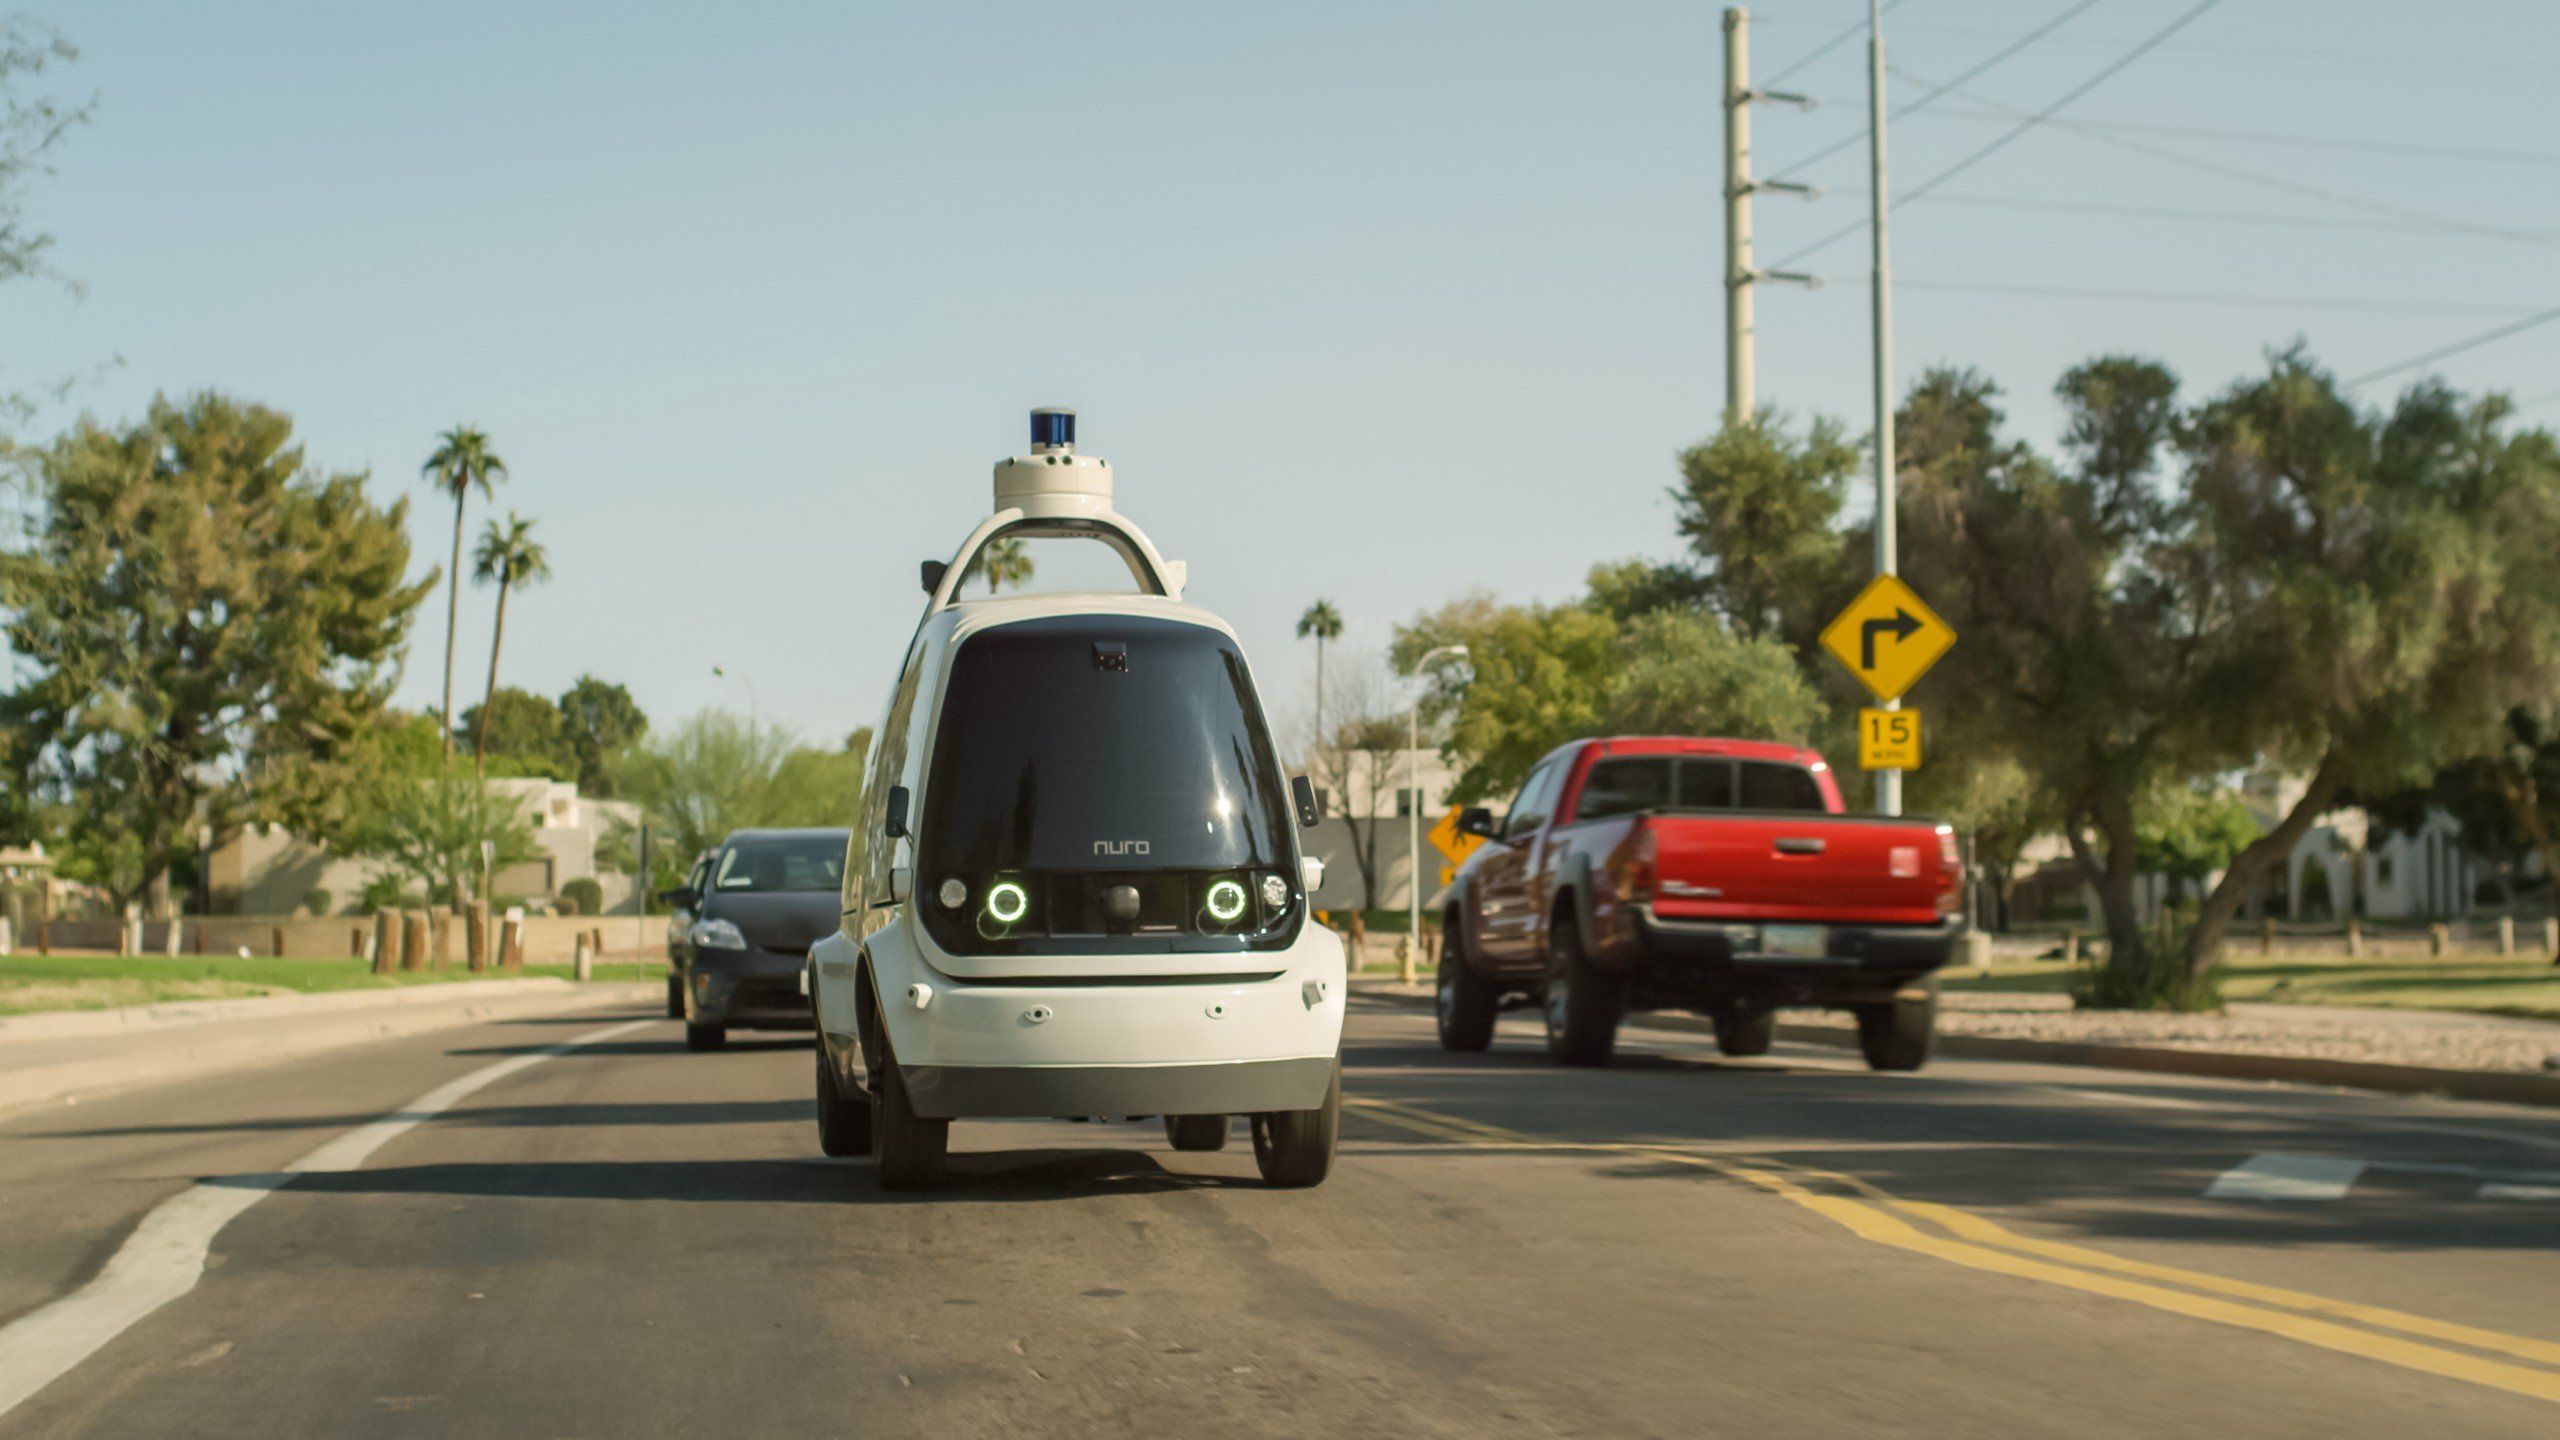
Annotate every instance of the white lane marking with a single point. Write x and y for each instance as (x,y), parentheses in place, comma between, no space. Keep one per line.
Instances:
(2495,1191)
(164,1256)
(2286,1177)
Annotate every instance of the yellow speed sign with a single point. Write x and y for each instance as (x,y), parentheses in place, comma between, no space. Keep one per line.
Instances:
(1888,739)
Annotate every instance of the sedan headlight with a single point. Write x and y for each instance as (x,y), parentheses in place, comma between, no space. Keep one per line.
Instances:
(717,935)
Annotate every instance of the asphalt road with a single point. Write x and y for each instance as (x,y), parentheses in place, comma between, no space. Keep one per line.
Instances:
(627,1240)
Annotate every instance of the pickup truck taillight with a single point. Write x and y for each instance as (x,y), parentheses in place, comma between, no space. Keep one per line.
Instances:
(1950,871)
(1635,883)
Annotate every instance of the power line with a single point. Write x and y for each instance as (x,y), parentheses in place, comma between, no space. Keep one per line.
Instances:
(1923,103)
(2106,73)
(2418,149)
(2188,297)
(2457,347)
(2178,212)
(1826,47)
(2274,182)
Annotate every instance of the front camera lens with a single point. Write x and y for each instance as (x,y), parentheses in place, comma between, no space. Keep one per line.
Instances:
(1008,902)
(1226,901)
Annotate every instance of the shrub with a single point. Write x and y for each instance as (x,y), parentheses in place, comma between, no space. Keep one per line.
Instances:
(316,900)
(582,897)
(382,892)
(2161,983)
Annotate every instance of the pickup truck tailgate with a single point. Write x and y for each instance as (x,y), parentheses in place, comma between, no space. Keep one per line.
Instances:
(1834,868)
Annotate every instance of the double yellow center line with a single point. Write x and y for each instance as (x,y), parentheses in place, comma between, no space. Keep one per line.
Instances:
(1964,1238)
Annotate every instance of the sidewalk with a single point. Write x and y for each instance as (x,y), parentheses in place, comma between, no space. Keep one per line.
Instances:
(2476,1057)
(62,1056)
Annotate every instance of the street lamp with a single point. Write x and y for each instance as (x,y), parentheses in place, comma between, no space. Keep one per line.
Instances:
(1413,827)
(744,679)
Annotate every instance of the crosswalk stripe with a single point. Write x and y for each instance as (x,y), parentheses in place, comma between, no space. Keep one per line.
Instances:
(2286,1177)
(2495,1191)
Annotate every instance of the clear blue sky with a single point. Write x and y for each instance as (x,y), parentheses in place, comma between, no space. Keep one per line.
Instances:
(1383,302)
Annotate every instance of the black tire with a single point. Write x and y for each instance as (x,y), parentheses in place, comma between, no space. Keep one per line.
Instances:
(1466,1005)
(1294,1148)
(1583,1006)
(844,1126)
(705,1037)
(1746,1032)
(1196,1132)
(675,997)
(1897,1035)
(910,1149)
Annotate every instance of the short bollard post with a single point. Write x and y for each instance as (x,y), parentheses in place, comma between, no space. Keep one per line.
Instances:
(2355,937)
(275,933)
(2506,937)
(44,937)
(2070,947)
(1977,951)
(2436,941)
(413,940)
(475,940)
(511,942)
(8,940)
(384,951)
(584,965)
(2267,935)
(2550,940)
(177,931)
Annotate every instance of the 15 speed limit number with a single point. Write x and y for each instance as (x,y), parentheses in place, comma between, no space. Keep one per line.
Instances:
(1888,739)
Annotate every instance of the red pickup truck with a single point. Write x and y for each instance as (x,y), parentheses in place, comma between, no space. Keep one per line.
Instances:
(1716,876)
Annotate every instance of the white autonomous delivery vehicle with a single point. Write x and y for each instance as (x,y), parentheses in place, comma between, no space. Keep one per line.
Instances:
(1075,889)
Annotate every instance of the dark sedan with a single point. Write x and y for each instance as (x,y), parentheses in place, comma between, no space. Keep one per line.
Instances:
(763,899)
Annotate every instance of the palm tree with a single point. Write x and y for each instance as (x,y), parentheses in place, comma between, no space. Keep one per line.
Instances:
(1005,564)
(511,557)
(463,462)
(1323,623)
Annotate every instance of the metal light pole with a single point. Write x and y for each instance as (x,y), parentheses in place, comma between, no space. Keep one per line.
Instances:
(1888,559)
(744,679)
(1413,825)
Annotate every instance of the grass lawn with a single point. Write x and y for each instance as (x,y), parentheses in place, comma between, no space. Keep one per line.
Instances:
(29,983)
(2485,984)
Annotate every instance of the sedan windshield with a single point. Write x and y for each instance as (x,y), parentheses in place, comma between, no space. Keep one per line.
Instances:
(808,862)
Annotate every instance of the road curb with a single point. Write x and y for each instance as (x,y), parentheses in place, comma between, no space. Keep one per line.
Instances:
(58,1067)
(172,1014)
(2500,1086)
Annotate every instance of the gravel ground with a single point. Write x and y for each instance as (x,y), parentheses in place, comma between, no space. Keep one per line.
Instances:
(2389,1037)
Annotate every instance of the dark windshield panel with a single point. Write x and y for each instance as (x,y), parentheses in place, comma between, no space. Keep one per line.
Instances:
(1621,787)
(1767,786)
(810,862)
(1101,743)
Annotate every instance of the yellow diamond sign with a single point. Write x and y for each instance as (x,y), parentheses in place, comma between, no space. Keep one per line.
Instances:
(1887,637)
(1444,837)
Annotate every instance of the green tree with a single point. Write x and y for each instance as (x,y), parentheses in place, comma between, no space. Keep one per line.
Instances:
(1760,508)
(2187,832)
(509,558)
(522,731)
(462,463)
(598,721)
(208,625)
(1540,677)
(32,123)
(1004,562)
(1688,674)
(1322,624)
(438,828)
(712,774)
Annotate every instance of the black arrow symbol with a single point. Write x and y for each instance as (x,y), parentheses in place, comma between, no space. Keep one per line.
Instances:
(1902,626)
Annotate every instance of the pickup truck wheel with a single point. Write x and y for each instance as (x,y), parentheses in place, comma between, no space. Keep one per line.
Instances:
(910,1148)
(1583,1005)
(1896,1035)
(1746,1032)
(1294,1148)
(844,1126)
(705,1037)
(1196,1132)
(1466,1004)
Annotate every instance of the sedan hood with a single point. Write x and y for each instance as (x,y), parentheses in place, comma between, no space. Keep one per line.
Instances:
(789,921)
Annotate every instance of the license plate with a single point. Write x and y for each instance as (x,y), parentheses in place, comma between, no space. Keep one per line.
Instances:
(1797,940)
(804,984)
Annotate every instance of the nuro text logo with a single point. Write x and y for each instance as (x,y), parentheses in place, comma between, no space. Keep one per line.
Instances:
(1119,847)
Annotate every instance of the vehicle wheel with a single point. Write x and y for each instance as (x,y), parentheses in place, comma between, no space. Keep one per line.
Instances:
(1196,1132)
(910,1149)
(1466,1004)
(1294,1148)
(844,1126)
(1896,1035)
(705,1037)
(1746,1032)
(675,997)
(1583,1005)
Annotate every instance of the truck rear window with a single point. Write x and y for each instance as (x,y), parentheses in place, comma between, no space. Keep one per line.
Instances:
(1694,783)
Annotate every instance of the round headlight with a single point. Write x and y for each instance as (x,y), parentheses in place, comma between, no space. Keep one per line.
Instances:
(1226,901)
(1007,902)
(953,894)
(1275,891)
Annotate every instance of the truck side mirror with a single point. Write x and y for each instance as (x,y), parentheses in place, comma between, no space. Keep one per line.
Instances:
(894,824)
(932,571)
(679,896)
(1476,820)
(1302,793)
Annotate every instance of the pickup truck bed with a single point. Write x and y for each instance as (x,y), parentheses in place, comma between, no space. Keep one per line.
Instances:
(1718,876)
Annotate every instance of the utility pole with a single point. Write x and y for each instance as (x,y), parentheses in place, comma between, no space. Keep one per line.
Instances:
(1739,278)
(1888,557)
